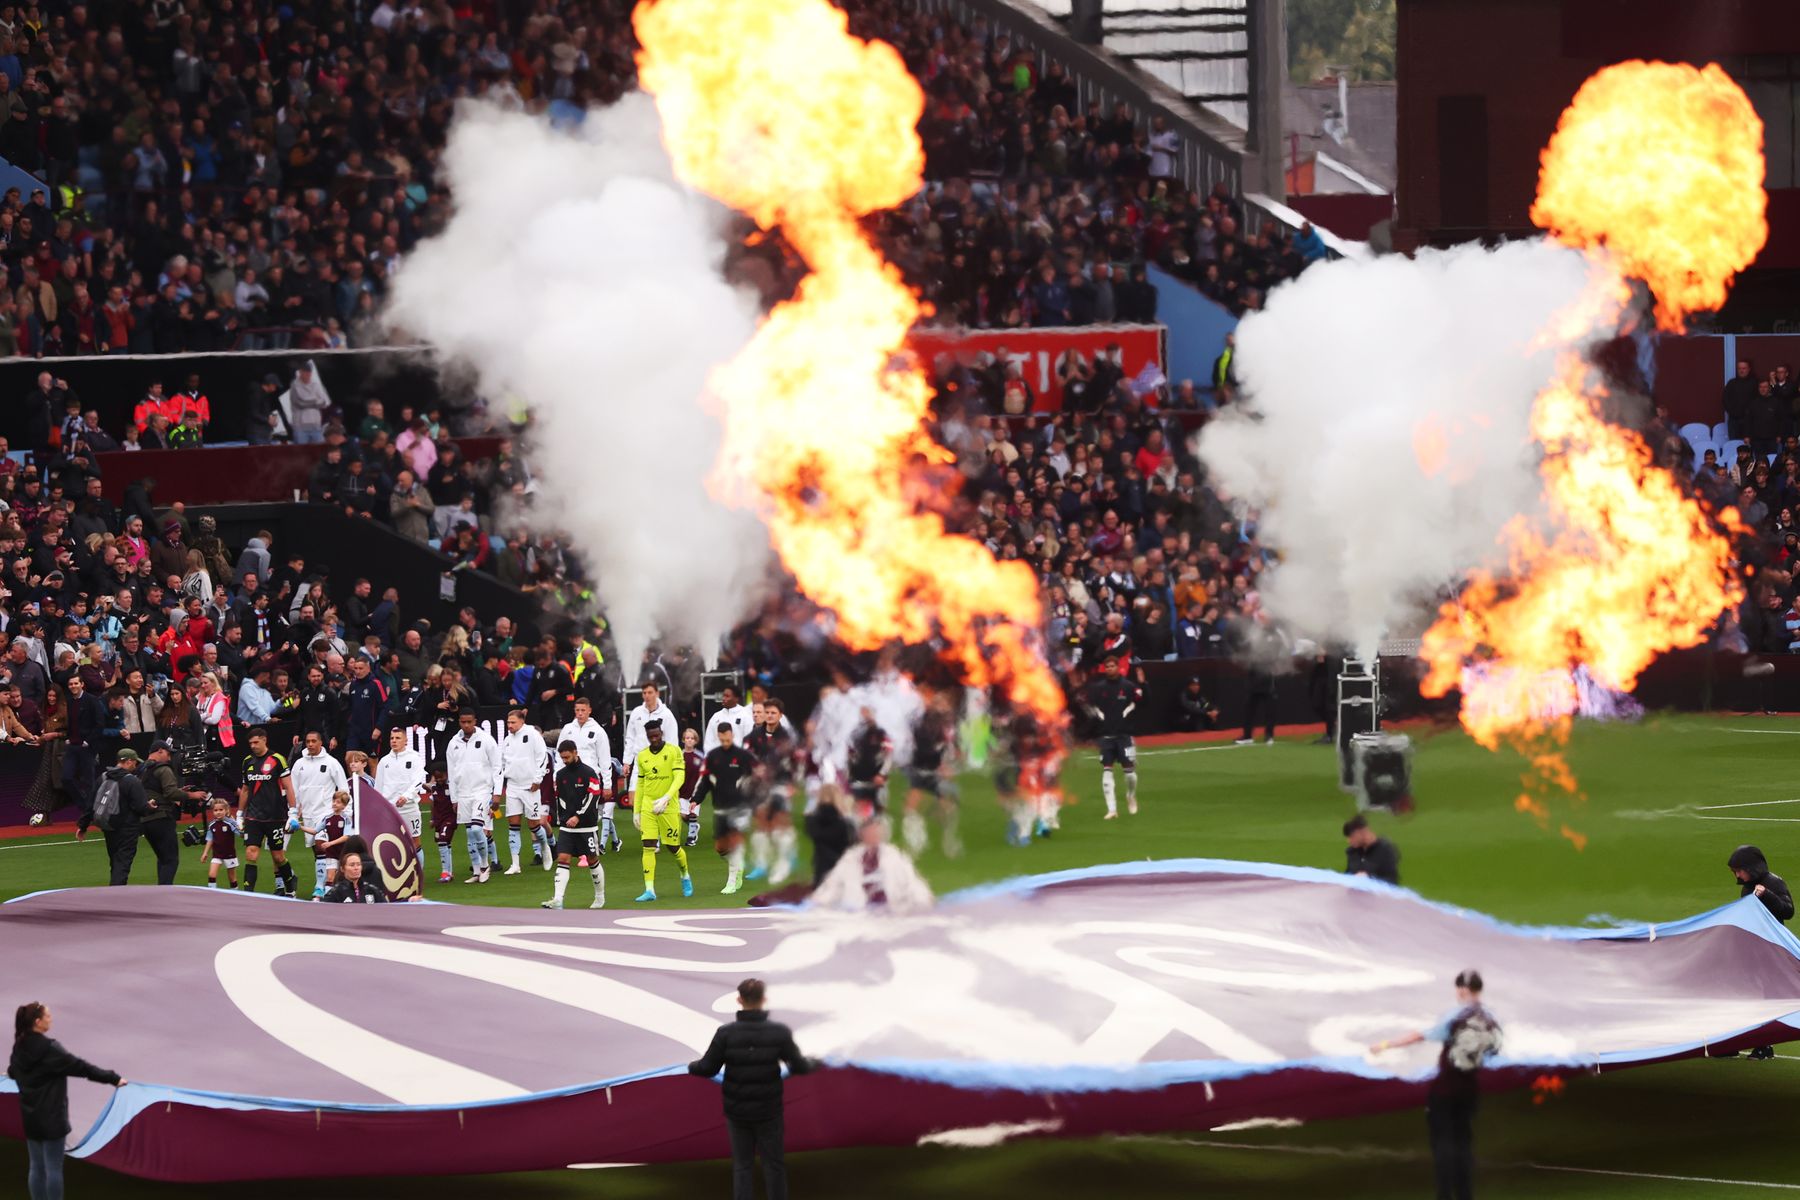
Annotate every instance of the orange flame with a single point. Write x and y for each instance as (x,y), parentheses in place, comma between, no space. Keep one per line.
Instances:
(1662,166)
(773,108)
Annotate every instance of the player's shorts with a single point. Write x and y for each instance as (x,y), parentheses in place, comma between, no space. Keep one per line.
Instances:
(527,802)
(731,822)
(474,810)
(927,780)
(330,864)
(867,791)
(230,864)
(273,833)
(665,828)
(443,821)
(583,844)
(413,819)
(780,798)
(1118,751)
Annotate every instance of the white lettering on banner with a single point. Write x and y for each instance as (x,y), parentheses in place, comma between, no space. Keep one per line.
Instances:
(794,953)
(931,1000)
(1356,974)
(1142,1015)
(246,972)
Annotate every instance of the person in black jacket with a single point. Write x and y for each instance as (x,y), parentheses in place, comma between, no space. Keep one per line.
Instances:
(128,824)
(167,799)
(1754,878)
(751,1051)
(351,887)
(41,1068)
(1368,853)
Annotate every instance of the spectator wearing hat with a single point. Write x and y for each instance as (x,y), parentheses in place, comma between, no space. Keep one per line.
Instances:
(127,823)
(166,798)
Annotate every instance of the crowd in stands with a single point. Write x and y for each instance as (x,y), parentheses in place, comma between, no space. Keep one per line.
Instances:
(1756,472)
(252,175)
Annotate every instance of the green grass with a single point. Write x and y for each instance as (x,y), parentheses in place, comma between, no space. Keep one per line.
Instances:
(1718,1120)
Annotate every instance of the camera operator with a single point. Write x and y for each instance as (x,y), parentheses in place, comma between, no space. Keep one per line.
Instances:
(167,799)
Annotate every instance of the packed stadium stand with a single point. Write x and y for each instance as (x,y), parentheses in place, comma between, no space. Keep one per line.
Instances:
(250,177)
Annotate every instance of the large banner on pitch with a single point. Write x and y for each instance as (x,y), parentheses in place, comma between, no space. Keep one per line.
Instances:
(1040,352)
(1141,998)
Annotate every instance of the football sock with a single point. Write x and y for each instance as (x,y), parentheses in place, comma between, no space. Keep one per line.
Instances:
(599,874)
(681,860)
(785,842)
(735,860)
(477,840)
(562,882)
(760,850)
(284,875)
(512,842)
(1131,785)
(446,857)
(649,870)
(250,877)
(1108,789)
(318,871)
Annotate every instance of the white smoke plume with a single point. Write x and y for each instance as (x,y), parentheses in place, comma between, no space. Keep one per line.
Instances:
(1353,374)
(579,277)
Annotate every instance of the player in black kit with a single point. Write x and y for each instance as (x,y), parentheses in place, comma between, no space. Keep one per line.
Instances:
(725,776)
(1112,697)
(932,775)
(578,795)
(870,750)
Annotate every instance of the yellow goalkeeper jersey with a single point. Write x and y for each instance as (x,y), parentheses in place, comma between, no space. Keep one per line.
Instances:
(659,773)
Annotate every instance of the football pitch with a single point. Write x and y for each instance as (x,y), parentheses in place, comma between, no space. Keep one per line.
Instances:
(1665,802)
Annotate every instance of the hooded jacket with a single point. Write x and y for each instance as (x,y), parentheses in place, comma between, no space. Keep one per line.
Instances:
(41,1068)
(1776,897)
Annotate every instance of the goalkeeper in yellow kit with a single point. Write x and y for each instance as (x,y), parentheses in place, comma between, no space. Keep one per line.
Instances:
(656,781)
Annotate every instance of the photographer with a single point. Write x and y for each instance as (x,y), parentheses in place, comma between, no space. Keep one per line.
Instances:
(167,799)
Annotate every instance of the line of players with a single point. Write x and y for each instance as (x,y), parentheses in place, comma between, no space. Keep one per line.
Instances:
(753,768)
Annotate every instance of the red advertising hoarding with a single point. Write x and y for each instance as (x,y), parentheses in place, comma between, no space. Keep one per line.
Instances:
(1040,352)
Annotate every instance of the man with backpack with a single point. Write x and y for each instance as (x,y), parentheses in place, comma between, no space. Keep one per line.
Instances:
(1469,1036)
(120,806)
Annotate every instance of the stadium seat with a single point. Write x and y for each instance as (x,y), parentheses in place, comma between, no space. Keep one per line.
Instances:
(1697,433)
(1721,433)
(1728,450)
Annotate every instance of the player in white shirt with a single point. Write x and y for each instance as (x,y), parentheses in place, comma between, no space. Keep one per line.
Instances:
(523,761)
(593,747)
(317,778)
(652,709)
(732,710)
(473,770)
(401,777)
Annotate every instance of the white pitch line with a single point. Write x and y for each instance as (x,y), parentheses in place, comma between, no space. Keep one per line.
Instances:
(39,845)
(1779,733)
(1776,820)
(1747,804)
(1375,1152)
(1177,750)
(1747,1183)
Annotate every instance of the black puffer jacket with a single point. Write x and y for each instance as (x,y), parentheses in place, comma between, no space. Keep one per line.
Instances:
(1776,897)
(41,1068)
(751,1050)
